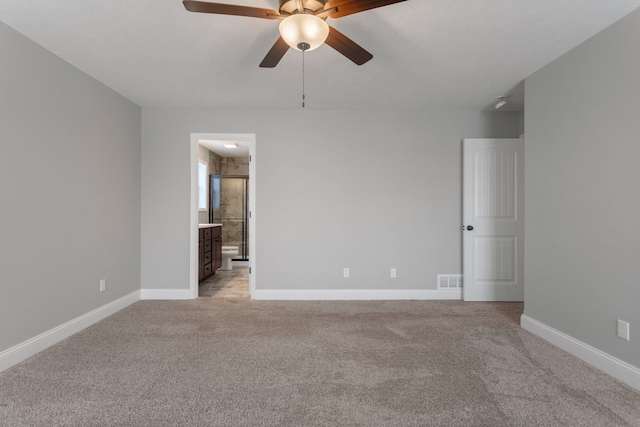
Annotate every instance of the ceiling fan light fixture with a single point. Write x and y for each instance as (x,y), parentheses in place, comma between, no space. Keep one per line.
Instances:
(303,31)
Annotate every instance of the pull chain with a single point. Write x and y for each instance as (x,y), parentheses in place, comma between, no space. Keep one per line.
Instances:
(303,78)
(303,46)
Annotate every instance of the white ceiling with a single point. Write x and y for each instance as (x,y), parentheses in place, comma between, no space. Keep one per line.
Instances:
(428,54)
(212,143)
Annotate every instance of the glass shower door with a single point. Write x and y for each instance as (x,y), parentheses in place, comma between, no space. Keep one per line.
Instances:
(229,206)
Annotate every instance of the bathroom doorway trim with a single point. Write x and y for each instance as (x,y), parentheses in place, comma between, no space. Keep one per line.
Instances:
(193,222)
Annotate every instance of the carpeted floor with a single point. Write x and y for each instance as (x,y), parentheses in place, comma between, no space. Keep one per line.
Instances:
(238,362)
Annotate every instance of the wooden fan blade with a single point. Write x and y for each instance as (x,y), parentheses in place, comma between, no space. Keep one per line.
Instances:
(230,9)
(279,48)
(349,7)
(347,47)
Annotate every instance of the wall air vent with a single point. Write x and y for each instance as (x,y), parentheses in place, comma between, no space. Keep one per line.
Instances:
(449,281)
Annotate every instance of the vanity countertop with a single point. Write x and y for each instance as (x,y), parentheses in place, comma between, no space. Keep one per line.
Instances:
(209,225)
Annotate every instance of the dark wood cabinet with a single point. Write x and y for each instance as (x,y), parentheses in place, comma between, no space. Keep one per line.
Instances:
(209,251)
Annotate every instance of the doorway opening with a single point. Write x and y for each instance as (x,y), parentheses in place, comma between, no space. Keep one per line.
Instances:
(230,159)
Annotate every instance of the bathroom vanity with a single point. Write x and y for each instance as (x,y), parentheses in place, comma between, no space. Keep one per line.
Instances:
(209,250)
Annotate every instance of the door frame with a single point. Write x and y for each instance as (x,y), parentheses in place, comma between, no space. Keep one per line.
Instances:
(193,214)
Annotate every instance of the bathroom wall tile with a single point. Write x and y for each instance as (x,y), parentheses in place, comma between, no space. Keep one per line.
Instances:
(235,166)
(215,163)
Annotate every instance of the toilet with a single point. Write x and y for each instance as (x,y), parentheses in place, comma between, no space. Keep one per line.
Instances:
(228,252)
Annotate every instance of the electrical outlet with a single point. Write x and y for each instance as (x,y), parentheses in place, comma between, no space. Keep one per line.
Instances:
(623,329)
(393,273)
(345,272)
(103,285)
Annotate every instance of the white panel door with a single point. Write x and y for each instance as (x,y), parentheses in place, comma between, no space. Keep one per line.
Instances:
(493,223)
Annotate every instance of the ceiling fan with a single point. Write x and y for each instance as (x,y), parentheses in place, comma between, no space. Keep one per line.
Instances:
(303,25)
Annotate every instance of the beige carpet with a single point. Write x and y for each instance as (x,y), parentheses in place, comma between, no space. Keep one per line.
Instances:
(237,362)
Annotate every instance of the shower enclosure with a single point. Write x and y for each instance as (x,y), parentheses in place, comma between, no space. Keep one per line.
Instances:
(229,206)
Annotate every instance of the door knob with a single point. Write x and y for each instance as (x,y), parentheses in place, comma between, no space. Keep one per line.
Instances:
(469,227)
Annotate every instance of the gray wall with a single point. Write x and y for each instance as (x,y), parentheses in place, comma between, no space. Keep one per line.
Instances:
(334,189)
(69,188)
(582,181)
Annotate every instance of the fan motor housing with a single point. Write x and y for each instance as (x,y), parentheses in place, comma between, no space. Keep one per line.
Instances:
(290,6)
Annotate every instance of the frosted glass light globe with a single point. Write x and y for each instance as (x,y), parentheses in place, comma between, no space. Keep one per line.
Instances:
(304,28)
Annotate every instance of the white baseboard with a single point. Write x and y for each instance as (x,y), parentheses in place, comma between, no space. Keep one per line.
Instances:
(355,294)
(169,294)
(26,349)
(617,368)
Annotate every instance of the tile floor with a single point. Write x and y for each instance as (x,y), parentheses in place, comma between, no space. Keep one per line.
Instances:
(226,284)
